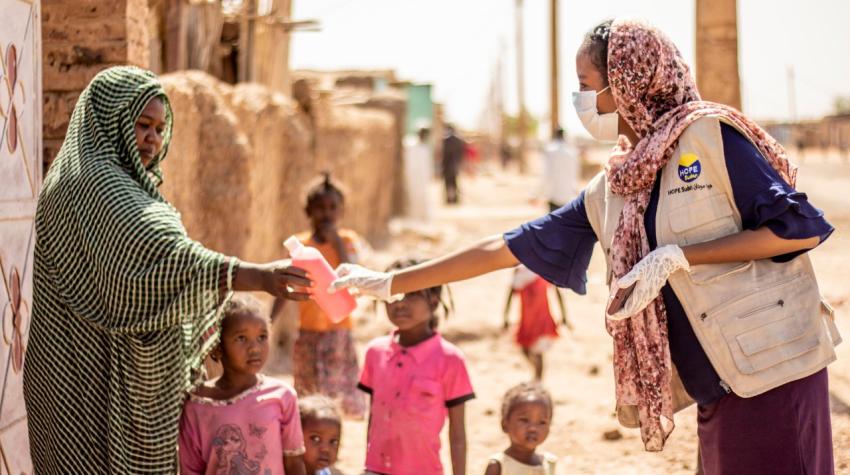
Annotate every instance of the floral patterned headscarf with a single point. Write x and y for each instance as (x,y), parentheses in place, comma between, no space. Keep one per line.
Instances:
(656,95)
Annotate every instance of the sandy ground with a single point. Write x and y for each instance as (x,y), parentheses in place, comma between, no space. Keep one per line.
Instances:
(579,372)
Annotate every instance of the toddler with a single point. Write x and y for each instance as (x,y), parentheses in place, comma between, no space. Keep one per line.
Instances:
(322,426)
(526,419)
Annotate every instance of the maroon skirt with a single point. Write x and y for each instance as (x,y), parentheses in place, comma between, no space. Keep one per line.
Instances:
(786,430)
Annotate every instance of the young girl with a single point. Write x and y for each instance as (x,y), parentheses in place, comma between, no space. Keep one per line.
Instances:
(322,426)
(242,422)
(416,379)
(537,329)
(526,418)
(324,358)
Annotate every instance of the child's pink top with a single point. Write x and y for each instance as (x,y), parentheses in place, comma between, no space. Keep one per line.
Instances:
(412,389)
(248,434)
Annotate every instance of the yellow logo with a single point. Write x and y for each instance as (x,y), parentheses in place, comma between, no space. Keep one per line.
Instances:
(689,167)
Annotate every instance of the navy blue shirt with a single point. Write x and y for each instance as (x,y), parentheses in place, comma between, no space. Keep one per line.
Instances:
(558,246)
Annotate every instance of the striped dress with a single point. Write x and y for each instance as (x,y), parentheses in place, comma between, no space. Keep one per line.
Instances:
(125,305)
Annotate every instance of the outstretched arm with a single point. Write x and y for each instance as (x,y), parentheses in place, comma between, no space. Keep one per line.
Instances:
(276,278)
(486,256)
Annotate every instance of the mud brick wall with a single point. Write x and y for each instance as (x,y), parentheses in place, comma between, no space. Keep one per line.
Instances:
(242,155)
(79,39)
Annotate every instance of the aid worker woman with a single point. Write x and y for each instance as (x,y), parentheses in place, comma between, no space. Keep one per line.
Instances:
(697,207)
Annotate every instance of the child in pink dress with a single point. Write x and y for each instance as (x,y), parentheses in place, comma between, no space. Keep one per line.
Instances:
(243,422)
(416,380)
(537,329)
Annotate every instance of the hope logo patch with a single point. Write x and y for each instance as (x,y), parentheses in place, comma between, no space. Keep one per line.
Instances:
(689,167)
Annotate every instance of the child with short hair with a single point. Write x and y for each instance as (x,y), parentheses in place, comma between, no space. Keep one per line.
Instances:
(243,421)
(322,426)
(324,357)
(526,419)
(416,380)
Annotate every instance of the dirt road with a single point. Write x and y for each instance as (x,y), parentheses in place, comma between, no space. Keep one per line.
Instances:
(579,372)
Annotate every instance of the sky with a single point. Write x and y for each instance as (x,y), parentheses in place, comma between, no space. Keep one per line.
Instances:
(457,44)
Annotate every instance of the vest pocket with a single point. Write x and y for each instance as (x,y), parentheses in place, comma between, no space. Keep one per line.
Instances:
(703,220)
(770,325)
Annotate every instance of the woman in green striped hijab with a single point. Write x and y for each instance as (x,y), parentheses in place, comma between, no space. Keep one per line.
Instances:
(125,305)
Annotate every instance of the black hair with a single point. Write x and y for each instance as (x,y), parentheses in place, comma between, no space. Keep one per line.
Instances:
(242,304)
(432,294)
(596,44)
(317,406)
(524,392)
(322,186)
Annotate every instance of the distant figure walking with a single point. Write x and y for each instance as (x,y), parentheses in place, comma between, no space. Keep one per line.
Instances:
(560,174)
(454,149)
(418,170)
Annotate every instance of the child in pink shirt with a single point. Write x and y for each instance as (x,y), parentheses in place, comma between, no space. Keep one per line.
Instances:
(242,422)
(416,380)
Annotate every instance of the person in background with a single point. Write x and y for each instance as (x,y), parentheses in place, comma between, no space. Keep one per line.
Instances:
(560,174)
(454,150)
(559,185)
(505,154)
(418,170)
(537,329)
(324,357)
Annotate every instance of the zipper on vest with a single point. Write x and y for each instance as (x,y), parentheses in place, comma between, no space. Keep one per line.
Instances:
(725,386)
(720,308)
(778,303)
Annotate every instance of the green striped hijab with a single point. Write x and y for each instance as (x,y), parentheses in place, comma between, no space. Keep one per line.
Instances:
(125,305)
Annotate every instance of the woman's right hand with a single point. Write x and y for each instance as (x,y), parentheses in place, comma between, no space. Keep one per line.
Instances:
(278,278)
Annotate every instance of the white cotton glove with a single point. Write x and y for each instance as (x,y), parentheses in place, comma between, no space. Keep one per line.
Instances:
(363,281)
(651,274)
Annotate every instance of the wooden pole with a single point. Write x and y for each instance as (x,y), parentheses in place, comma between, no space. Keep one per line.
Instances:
(270,56)
(554,118)
(717,51)
(521,119)
(792,94)
(246,41)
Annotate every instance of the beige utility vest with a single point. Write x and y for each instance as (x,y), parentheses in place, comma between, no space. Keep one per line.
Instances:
(761,323)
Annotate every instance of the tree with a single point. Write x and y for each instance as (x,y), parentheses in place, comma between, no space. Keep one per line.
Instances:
(841,105)
(511,125)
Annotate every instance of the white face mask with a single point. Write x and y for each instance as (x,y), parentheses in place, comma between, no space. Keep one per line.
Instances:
(603,127)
